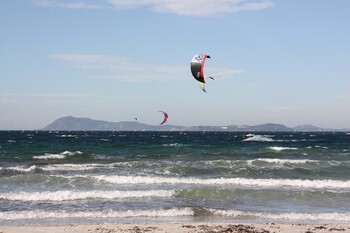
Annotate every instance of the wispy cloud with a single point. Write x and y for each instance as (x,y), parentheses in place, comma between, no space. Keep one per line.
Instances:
(42,94)
(196,7)
(123,69)
(182,7)
(68,4)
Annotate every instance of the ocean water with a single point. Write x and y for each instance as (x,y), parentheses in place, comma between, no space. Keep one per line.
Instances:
(128,177)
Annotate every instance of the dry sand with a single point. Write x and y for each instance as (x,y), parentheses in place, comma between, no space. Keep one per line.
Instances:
(181,228)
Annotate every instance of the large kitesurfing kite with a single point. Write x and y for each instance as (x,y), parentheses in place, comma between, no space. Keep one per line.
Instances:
(197,69)
(165,117)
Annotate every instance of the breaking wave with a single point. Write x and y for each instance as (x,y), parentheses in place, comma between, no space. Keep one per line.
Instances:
(293,183)
(78,195)
(283,161)
(280,148)
(258,138)
(173,212)
(62,155)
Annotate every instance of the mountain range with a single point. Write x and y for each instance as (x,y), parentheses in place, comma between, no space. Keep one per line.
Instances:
(70,123)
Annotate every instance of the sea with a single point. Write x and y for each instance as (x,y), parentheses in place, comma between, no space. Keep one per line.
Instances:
(56,177)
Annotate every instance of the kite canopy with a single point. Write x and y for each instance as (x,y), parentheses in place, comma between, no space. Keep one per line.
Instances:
(165,117)
(197,66)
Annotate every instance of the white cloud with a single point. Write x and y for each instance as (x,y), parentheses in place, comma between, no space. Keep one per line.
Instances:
(118,68)
(67,4)
(195,7)
(224,73)
(123,69)
(182,7)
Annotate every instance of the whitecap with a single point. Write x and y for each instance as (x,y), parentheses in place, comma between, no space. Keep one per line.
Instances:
(62,155)
(280,148)
(50,156)
(75,167)
(245,182)
(322,147)
(79,195)
(258,138)
(20,168)
(67,136)
(283,161)
(105,140)
(173,145)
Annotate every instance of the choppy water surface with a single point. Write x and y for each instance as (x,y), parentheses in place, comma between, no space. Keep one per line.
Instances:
(95,177)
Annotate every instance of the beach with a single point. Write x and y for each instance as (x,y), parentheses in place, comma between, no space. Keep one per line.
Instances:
(180,228)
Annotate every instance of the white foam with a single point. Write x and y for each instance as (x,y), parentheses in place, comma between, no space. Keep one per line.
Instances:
(259,138)
(76,167)
(276,183)
(78,195)
(280,148)
(173,145)
(62,155)
(252,162)
(20,168)
(322,147)
(68,153)
(50,156)
(67,167)
(67,136)
(37,214)
(339,217)
(105,139)
(283,161)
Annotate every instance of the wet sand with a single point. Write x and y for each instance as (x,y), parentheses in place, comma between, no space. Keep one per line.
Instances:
(179,228)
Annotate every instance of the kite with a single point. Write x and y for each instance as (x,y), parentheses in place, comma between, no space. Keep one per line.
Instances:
(165,117)
(197,69)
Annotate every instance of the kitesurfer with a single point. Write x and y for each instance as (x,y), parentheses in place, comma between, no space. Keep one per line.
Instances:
(246,136)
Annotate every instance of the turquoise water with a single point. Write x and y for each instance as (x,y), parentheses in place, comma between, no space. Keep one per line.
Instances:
(99,177)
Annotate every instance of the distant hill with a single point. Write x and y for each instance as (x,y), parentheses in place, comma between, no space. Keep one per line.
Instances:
(86,124)
(308,128)
(270,127)
(71,123)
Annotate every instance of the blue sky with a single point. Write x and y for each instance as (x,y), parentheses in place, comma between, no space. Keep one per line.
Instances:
(283,61)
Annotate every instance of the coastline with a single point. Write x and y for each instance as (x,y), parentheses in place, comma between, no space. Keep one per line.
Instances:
(180,228)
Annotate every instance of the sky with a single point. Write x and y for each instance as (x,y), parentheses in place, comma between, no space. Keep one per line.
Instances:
(285,62)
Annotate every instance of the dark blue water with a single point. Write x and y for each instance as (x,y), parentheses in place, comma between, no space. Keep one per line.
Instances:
(95,177)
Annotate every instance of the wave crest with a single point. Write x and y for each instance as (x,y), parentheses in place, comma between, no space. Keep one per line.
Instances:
(78,195)
(62,155)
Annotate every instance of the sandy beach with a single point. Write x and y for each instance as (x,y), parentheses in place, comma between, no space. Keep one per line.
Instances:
(181,228)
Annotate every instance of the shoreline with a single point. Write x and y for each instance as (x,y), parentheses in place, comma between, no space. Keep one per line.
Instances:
(179,227)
